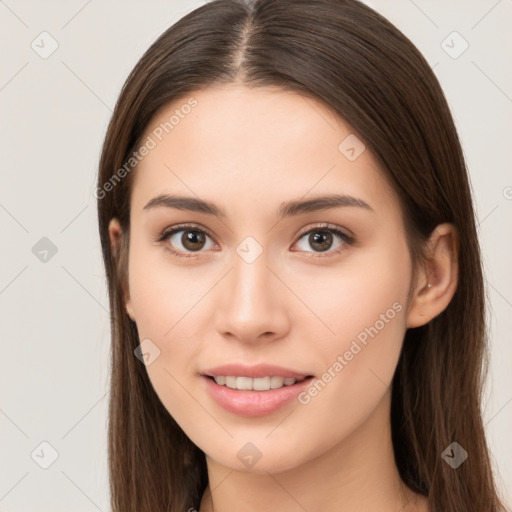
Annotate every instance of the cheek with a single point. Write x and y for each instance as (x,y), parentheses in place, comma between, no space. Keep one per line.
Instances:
(365,305)
(162,294)
(365,296)
(169,302)
(356,377)
(164,298)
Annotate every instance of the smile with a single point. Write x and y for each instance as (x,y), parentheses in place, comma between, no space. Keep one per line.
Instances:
(256,384)
(247,400)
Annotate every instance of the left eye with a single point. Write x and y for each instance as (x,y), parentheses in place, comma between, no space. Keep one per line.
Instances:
(321,239)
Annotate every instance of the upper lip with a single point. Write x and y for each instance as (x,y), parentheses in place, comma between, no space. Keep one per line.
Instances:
(258,370)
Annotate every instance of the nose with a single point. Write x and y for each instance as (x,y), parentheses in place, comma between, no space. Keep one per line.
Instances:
(253,303)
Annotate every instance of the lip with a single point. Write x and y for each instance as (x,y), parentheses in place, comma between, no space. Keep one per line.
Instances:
(253,403)
(259,370)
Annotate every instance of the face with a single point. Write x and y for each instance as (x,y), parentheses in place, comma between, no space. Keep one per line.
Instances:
(269,279)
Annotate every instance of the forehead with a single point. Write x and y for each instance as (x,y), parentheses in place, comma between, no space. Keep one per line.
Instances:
(244,145)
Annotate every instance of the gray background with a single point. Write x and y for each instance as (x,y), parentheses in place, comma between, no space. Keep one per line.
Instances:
(54,323)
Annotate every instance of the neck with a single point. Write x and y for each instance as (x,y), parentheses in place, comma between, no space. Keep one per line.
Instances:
(357,474)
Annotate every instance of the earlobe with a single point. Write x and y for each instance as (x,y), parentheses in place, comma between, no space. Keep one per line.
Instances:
(437,283)
(115,233)
(129,309)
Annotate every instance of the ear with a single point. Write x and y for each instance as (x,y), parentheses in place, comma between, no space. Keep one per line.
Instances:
(437,282)
(116,234)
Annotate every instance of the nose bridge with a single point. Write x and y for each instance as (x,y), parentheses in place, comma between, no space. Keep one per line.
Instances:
(249,303)
(250,285)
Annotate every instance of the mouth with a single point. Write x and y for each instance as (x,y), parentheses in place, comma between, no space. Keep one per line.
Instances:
(254,396)
(256,384)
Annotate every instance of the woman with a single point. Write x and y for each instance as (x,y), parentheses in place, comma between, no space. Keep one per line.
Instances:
(294,271)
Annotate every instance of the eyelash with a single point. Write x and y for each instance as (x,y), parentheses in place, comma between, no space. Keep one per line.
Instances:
(346,239)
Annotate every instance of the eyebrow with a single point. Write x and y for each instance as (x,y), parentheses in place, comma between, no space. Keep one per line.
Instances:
(286,209)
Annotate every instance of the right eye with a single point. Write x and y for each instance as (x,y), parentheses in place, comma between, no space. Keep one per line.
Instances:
(186,239)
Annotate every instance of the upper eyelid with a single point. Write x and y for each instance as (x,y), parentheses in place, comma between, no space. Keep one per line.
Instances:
(179,227)
(328,227)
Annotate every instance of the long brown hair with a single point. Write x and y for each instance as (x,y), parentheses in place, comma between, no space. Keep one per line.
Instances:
(351,58)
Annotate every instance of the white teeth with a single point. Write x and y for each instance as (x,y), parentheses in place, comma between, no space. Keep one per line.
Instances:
(231,382)
(276,382)
(243,383)
(220,380)
(261,384)
(257,384)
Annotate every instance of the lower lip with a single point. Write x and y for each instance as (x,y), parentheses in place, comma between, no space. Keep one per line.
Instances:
(254,403)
